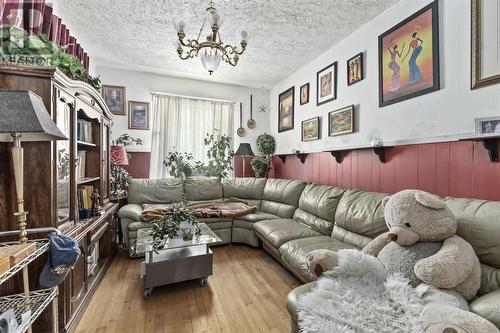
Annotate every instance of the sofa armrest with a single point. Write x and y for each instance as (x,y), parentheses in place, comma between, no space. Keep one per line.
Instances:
(131,211)
(488,307)
(292,299)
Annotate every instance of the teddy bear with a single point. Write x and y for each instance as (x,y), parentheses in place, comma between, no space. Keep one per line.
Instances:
(421,244)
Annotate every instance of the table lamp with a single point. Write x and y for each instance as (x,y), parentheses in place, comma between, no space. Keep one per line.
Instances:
(119,155)
(244,150)
(23,117)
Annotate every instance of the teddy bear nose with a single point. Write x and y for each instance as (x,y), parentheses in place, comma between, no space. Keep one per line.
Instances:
(393,237)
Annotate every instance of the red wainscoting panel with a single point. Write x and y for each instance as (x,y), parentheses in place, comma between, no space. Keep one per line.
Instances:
(458,169)
(139,164)
(238,166)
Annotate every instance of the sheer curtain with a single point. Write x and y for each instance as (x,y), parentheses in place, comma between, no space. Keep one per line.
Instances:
(180,124)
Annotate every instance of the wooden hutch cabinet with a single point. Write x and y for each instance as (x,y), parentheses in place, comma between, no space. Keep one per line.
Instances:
(59,177)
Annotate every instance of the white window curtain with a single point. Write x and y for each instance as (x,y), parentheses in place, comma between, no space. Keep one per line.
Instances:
(180,124)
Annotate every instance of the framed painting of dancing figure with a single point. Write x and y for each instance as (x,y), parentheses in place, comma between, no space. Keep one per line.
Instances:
(355,69)
(409,57)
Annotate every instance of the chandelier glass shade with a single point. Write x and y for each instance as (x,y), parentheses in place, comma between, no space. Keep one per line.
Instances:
(211,50)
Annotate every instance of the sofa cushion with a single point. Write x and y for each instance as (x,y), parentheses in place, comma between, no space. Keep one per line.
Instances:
(294,252)
(244,188)
(479,224)
(247,221)
(281,197)
(131,211)
(165,190)
(217,223)
(317,206)
(278,232)
(202,188)
(359,217)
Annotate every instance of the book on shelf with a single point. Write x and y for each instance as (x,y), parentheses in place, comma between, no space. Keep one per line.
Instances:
(84,131)
(80,169)
(85,196)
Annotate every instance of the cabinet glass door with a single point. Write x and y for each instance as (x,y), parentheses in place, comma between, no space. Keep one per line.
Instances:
(105,161)
(63,158)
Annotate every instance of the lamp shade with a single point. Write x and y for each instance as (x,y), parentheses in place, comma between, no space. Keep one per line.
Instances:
(244,150)
(119,155)
(23,112)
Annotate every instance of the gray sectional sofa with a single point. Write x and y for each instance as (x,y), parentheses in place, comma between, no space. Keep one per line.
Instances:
(294,218)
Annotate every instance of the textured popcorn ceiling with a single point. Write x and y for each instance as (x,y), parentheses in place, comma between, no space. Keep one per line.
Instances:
(283,35)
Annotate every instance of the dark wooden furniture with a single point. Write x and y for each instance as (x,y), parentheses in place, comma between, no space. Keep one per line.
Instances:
(51,183)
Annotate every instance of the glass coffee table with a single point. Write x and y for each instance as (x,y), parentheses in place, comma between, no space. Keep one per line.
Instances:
(178,261)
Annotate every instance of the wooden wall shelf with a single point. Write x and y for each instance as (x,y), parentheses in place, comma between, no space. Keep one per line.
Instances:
(301,156)
(490,143)
(379,151)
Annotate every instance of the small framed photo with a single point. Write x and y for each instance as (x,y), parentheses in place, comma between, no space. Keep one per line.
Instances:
(326,85)
(355,72)
(286,101)
(310,129)
(115,97)
(304,94)
(341,121)
(489,126)
(138,115)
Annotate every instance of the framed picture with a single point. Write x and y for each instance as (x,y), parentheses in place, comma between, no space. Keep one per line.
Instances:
(341,121)
(115,98)
(489,126)
(326,85)
(409,57)
(485,43)
(304,94)
(310,129)
(138,115)
(355,72)
(286,102)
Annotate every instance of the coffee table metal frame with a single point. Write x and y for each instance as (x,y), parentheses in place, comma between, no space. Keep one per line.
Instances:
(178,261)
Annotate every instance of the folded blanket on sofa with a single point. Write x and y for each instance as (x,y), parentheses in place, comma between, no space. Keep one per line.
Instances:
(230,208)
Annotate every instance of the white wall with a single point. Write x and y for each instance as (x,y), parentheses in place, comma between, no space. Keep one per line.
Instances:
(139,86)
(438,116)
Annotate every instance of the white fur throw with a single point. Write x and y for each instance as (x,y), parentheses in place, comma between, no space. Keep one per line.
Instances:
(359,296)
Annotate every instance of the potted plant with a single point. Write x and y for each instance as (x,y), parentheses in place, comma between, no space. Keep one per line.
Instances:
(220,156)
(266,144)
(260,166)
(119,180)
(178,222)
(179,164)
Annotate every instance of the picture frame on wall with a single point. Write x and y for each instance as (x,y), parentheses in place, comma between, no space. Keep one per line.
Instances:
(286,109)
(115,98)
(326,84)
(485,43)
(310,129)
(304,94)
(355,69)
(409,57)
(138,115)
(487,126)
(341,121)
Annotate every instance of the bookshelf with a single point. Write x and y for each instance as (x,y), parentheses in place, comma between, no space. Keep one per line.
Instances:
(56,173)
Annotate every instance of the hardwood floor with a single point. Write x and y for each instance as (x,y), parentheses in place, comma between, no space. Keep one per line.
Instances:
(245,294)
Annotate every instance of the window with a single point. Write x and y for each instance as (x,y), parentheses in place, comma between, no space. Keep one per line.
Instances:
(180,124)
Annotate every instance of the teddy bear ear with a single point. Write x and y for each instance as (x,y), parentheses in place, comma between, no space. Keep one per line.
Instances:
(430,201)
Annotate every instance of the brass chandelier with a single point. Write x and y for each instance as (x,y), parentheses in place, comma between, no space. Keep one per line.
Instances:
(212,50)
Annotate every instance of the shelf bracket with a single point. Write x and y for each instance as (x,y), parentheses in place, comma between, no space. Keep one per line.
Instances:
(282,158)
(491,146)
(380,152)
(337,154)
(302,157)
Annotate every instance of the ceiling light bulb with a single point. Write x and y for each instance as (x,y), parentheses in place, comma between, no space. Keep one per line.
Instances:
(244,35)
(179,26)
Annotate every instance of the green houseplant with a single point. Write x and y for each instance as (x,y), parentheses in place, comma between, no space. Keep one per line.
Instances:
(266,144)
(179,164)
(120,178)
(177,221)
(260,166)
(220,156)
